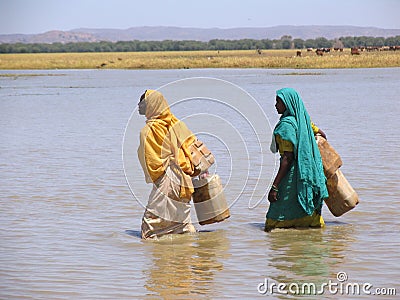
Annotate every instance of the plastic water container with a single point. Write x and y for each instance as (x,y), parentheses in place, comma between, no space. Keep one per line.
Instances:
(342,197)
(209,200)
(330,158)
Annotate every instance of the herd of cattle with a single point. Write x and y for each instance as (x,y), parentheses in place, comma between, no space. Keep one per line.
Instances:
(354,50)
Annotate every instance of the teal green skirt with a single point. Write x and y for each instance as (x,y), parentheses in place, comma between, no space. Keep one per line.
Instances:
(288,207)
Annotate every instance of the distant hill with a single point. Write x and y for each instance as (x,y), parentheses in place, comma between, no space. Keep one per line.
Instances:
(160,33)
(53,36)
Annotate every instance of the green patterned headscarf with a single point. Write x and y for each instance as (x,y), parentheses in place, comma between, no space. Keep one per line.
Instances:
(295,126)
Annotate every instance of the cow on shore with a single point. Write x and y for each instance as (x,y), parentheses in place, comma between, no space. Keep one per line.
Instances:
(320,51)
(355,51)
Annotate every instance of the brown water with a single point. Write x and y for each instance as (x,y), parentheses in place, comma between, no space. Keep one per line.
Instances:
(70,223)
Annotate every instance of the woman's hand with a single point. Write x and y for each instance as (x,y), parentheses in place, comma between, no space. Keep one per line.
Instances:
(285,164)
(322,134)
(204,174)
(272,196)
(196,172)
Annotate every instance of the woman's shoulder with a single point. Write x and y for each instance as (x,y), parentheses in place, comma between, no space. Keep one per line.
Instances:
(287,123)
(152,125)
(289,119)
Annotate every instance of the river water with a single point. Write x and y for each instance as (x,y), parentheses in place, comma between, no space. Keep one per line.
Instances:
(70,212)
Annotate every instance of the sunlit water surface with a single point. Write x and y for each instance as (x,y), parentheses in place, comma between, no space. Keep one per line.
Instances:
(70,224)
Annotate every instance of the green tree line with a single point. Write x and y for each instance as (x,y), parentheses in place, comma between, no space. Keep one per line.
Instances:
(285,42)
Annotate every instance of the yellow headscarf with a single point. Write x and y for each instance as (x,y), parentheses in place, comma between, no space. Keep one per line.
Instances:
(165,141)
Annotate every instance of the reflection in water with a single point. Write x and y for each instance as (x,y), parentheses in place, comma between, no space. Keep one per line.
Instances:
(309,255)
(186,264)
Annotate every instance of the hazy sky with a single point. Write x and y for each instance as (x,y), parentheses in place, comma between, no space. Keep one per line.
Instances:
(37,16)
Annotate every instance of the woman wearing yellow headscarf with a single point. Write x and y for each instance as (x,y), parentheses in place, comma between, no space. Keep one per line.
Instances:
(166,161)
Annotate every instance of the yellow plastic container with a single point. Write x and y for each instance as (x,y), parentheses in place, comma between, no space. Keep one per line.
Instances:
(209,200)
(342,197)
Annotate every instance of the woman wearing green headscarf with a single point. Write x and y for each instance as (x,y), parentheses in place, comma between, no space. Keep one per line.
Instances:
(299,188)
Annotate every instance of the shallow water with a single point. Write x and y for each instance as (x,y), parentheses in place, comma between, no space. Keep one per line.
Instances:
(70,224)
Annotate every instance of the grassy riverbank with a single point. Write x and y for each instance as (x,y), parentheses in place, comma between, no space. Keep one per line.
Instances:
(284,59)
